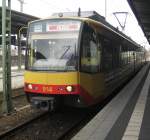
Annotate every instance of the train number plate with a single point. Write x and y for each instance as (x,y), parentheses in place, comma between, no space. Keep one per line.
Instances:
(47,89)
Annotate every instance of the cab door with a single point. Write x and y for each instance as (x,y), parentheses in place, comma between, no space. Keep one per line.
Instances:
(90,78)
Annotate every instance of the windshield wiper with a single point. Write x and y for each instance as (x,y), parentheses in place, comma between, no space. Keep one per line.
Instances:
(65,52)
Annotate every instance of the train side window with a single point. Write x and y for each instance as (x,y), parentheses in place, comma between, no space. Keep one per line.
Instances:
(90,56)
(124,55)
(116,51)
(107,55)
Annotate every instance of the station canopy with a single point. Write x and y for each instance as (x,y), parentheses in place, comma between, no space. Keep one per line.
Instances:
(18,20)
(141,9)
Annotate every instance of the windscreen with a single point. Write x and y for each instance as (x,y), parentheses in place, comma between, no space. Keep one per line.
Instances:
(53,45)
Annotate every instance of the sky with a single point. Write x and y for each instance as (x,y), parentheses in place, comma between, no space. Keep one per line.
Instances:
(45,8)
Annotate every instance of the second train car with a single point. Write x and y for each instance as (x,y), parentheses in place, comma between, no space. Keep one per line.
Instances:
(77,61)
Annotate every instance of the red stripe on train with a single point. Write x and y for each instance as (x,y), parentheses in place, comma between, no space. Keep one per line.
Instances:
(59,90)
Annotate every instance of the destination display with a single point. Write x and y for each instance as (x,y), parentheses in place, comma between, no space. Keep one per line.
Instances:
(63,27)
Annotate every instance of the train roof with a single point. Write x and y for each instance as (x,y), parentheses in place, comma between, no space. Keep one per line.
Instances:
(93,17)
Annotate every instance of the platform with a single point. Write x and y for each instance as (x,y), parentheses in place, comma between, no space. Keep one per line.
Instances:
(126,117)
(17,79)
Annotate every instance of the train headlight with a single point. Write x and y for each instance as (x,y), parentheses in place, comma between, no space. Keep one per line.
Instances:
(69,88)
(30,86)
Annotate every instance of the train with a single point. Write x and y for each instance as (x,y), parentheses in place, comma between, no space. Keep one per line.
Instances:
(77,60)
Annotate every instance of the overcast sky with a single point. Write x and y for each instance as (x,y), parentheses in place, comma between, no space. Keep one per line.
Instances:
(44,8)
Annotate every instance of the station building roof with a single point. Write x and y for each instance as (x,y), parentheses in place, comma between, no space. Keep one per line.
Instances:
(18,20)
(141,9)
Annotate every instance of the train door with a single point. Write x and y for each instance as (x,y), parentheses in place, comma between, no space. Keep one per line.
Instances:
(90,77)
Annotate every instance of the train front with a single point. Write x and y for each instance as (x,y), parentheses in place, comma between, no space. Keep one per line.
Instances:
(51,75)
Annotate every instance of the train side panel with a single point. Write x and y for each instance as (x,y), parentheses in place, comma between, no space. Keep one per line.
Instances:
(92,87)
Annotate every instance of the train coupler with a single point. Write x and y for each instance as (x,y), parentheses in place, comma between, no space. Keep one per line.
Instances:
(43,103)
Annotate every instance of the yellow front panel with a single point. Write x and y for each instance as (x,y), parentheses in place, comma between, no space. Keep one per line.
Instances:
(35,77)
(63,78)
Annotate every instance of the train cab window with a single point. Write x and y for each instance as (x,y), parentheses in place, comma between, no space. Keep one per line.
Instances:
(90,52)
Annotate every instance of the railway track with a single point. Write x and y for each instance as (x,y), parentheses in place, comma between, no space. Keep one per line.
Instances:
(66,121)
(55,126)
(5,135)
(47,126)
